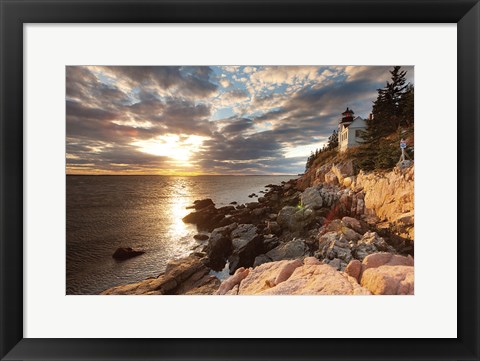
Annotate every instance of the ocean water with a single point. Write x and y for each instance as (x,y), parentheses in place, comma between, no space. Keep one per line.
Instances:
(143,212)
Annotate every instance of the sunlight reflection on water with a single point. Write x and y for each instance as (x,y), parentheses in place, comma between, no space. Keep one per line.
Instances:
(177,210)
(143,212)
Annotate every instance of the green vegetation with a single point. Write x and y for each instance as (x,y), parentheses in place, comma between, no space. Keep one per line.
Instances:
(393,119)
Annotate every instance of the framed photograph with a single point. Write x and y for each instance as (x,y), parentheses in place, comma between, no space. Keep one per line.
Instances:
(267,180)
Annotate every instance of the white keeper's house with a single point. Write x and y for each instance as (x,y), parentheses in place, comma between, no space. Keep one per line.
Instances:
(349,130)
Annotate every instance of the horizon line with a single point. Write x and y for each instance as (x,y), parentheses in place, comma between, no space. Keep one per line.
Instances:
(181,175)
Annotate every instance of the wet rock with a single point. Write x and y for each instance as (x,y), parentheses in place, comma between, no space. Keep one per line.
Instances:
(201,237)
(226,209)
(234,202)
(186,275)
(225,221)
(219,246)
(252,205)
(258,212)
(243,215)
(246,245)
(206,218)
(203,203)
(123,253)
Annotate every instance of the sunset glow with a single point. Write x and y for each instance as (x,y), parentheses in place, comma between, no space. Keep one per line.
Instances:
(171,146)
(193,120)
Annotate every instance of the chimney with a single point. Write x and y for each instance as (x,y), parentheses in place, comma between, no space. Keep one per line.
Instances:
(370,116)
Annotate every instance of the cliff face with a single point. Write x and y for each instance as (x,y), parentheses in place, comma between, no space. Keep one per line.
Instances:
(388,195)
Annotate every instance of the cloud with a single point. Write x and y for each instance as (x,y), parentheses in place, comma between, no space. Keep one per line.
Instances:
(166,80)
(379,74)
(224,82)
(232,119)
(249,69)
(235,125)
(289,75)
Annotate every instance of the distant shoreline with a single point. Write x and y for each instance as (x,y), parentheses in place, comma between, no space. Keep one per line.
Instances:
(197,175)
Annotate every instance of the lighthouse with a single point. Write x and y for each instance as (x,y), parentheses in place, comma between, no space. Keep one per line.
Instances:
(350,130)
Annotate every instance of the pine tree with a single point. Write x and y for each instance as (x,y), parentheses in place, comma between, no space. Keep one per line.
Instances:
(392,108)
(388,107)
(310,160)
(407,105)
(333,141)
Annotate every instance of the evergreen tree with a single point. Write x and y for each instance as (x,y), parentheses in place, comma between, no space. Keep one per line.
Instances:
(310,160)
(333,141)
(388,108)
(392,108)
(407,106)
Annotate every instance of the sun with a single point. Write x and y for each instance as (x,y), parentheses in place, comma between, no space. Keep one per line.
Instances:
(179,148)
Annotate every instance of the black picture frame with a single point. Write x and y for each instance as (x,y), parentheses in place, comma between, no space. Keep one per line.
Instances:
(14,14)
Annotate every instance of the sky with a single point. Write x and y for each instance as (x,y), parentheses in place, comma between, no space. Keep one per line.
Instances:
(193,120)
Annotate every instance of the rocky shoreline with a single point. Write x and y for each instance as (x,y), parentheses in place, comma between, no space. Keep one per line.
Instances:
(331,231)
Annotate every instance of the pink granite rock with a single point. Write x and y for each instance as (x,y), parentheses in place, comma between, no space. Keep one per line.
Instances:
(389,280)
(317,280)
(261,278)
(232,281)
(354,269)
(311,278)
(384,258)
(309,261)
(287,270)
